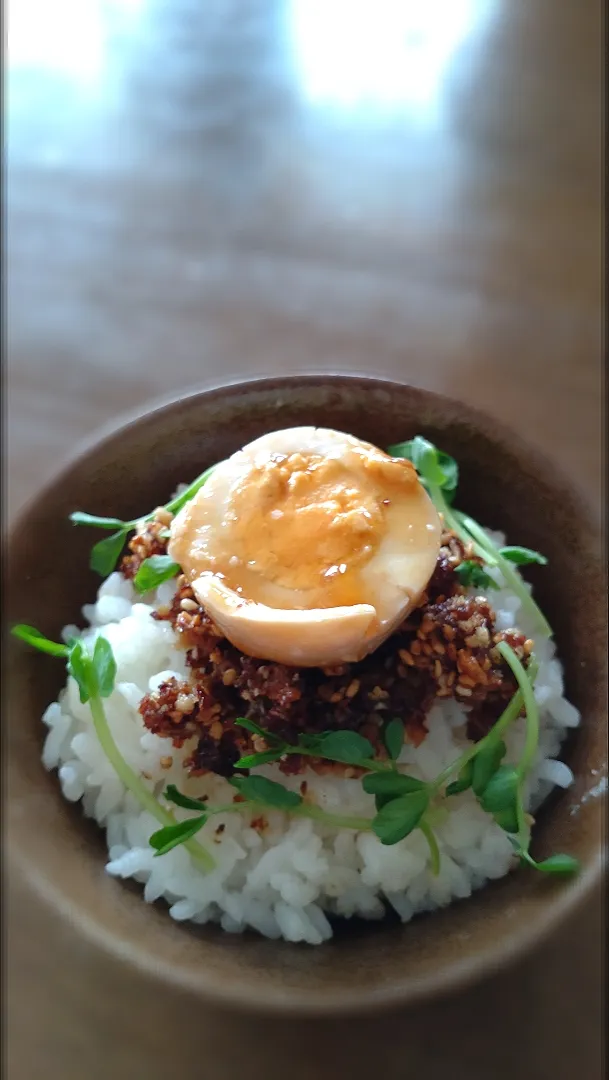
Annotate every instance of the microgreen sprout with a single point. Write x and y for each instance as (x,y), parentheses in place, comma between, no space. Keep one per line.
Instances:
(470,573)
(154,571)
(403,802)
(106,553)
(439,475)
(95,673)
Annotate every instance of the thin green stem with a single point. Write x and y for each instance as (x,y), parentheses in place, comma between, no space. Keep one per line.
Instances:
(124,527)
(133,783)
(532,710)
(509,714)
(450,519)
(434,850)
(511,576)
(531,743)
(366,763)
(523,836)
(308,810)
(180,500)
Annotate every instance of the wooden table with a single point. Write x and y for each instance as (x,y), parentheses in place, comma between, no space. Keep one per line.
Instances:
(200,191)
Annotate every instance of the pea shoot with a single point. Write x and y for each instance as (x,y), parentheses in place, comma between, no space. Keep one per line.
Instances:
(403,803)
(439,475)
(95,674)
(106,553)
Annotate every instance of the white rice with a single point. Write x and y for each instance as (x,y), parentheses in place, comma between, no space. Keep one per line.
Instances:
(286,881)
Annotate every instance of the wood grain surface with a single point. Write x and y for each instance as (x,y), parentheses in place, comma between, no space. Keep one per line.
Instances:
(198,191)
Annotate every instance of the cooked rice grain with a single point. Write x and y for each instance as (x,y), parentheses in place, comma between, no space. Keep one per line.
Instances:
(290,877)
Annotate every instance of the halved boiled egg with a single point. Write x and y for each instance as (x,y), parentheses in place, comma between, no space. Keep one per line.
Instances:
(308,547)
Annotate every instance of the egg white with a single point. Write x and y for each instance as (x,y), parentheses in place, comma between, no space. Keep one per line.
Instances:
(292,626)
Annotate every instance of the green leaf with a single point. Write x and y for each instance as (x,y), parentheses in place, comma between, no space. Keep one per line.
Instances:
(402,450)
(561,865)
(463,781)
(106,553)
(81,669)
(493,556)
(486,763)
(523,556)
(34,637)
(471,573)
(501,791)
(381,800)
(249,725)
(171,835)
(308,743)
(450,469)
(345,746)
(425,461)
(250,761)
(399,817)
(80,518)
(173,795)
(260,790)
(433,465)
(154,571)
(391,783)
(507,819)
(105,666)
(394,738)
(434,849)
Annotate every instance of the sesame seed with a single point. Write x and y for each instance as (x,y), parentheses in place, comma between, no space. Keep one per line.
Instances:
(163,516)
(406,657)
(185,703)
(378,694)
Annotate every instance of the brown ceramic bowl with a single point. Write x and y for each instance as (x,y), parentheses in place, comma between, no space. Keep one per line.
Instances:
(505,485)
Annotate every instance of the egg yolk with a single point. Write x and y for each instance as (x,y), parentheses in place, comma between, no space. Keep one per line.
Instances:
(303,522)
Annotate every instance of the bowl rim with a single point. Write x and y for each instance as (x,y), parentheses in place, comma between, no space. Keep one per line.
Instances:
(294,1001)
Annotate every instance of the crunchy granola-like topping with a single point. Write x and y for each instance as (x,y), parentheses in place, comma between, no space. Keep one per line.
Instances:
(447,647)
(152,540)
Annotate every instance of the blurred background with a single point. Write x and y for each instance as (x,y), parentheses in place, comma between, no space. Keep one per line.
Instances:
(199,190)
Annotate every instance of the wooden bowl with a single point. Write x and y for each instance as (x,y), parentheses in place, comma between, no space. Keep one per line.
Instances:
(505,485)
